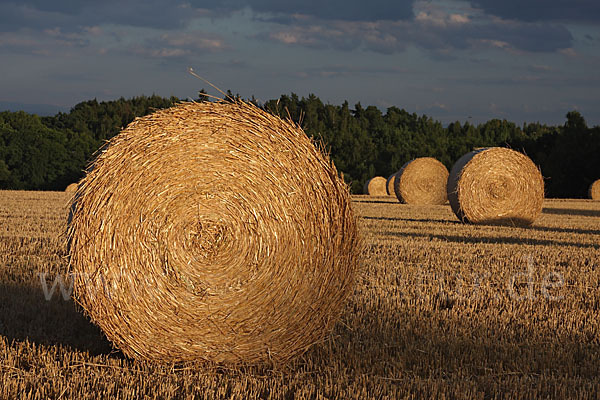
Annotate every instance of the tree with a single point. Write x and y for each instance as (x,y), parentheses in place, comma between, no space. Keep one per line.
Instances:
(51,152)
(202,96)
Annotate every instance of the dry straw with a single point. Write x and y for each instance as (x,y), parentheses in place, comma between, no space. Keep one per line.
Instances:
(376,186)
(213,231)
(391,180)
(422,181)
(72,188)
(594,191)
(496,186)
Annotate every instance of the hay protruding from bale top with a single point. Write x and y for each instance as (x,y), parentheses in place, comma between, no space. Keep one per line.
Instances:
(213,231)
(422,181)
(594,191)
(496,186)
(72,188)
(391,180)
(376,186)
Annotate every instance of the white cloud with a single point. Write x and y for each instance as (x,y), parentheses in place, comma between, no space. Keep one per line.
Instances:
(459,18)
(180,44)
(433,28)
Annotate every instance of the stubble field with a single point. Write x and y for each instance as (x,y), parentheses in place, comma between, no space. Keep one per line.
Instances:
(440,309)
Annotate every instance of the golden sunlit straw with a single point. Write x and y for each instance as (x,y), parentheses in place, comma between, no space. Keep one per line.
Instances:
(376,186)
(391,180)
(594,191)
(213,231)
(496,186)
(422,181)
(72,188)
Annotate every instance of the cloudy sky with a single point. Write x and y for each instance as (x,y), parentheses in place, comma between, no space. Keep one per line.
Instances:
(522,60)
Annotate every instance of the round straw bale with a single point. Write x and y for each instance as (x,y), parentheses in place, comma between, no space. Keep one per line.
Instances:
(496,186)
(376,186)
(594,191)
(422,181)
(72,188)
(391,180)
(213,231)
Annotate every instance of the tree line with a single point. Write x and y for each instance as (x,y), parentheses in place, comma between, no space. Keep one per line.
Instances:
(48,153)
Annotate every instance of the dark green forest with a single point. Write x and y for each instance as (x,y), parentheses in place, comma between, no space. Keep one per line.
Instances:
(48,153)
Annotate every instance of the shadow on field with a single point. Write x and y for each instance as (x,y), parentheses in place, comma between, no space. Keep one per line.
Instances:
(493,240)
(565,230)
(450,221)
(375,201)
(393,340)
(25,314)
(571,211)
(444,221)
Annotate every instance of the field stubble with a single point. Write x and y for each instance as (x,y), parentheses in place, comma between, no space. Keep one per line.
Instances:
(441,309)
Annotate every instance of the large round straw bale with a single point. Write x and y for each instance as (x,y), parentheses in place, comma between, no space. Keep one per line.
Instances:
(496,186)
(594,191)
(72,188)
(422,181)
(213,231)
(376,186)
(389,186)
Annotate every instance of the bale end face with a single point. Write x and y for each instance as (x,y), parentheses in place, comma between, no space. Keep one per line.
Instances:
(422,181)
(496,186)
(376,186)
(213,231)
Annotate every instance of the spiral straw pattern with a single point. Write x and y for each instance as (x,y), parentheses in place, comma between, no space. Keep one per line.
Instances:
(496,186)
(422,181)
(376,186)
(212,231)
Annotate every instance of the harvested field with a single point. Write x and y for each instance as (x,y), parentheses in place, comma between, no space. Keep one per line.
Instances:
(441,309)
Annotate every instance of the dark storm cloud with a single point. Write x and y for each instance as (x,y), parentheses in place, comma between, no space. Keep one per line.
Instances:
(71,7)
(532,37)
(347,10)
(535,37)
(180,45)
(348,71)
(438,32)
(543,10)
(380,25)
(71,15)
(54,27)
(15,16)
(29,42)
